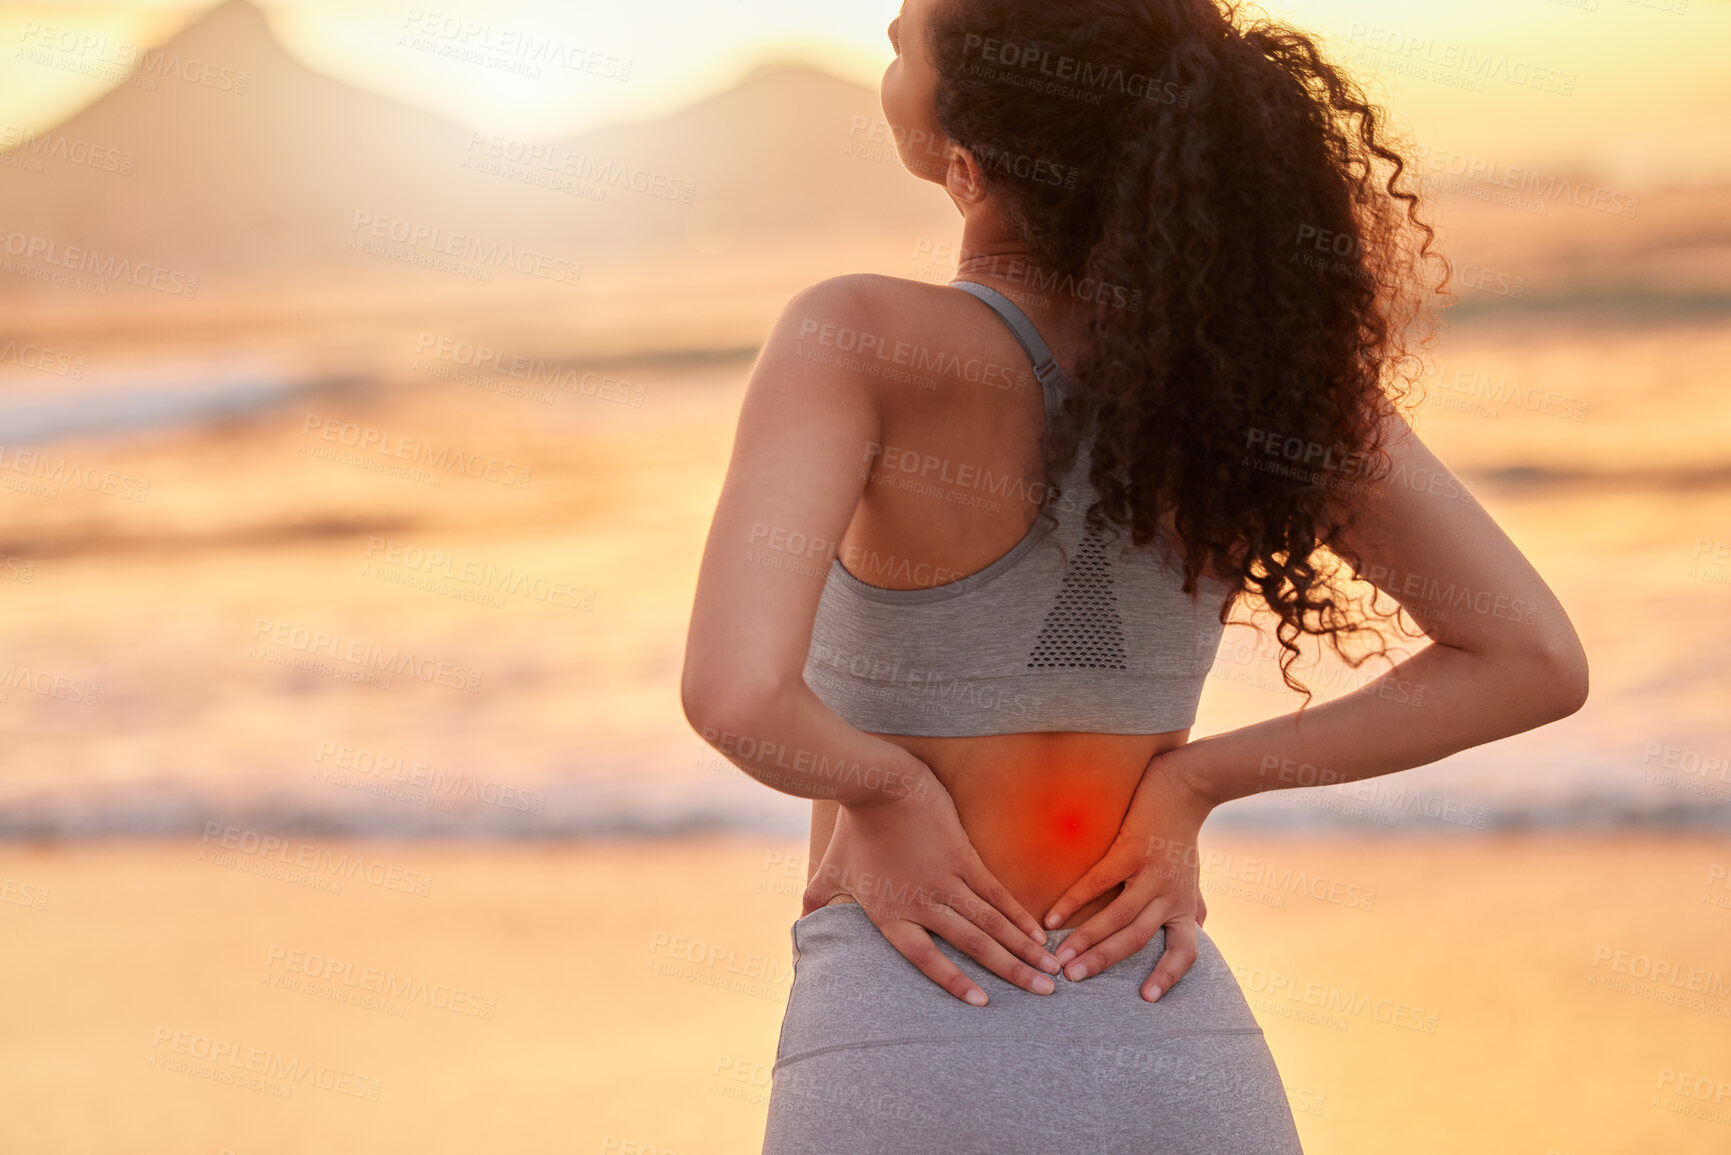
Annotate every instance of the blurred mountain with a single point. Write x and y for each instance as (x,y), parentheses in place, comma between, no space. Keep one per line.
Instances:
(258,193)
(306,203)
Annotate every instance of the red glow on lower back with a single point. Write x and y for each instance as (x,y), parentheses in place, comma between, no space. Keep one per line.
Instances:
(1070,824)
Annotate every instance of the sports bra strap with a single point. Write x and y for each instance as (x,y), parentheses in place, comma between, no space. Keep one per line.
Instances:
(1051,378)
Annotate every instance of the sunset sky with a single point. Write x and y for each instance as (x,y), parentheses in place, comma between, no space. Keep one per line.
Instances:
(1647,104)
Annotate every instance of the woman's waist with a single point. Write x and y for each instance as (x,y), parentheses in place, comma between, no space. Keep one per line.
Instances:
(1041,809)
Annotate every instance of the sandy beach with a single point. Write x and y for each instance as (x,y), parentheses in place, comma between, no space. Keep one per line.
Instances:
(1424,996)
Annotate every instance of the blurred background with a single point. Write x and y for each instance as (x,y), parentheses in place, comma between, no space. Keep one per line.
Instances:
(367,376)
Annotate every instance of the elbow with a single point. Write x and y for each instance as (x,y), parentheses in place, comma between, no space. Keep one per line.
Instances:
(703,704)
(720,705)
(1562,674)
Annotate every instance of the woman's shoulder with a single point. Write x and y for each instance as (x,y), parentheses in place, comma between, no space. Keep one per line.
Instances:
(871,298)
(886,329)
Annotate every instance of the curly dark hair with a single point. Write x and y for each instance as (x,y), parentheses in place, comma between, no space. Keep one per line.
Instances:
(1254,264)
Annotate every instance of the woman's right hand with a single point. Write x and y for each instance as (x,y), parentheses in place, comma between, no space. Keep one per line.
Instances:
(1155,857)
(910,864)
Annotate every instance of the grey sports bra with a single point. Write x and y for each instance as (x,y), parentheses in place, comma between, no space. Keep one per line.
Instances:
(1071,630)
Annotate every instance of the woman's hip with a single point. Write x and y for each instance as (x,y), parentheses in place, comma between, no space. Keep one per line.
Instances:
(874,1056)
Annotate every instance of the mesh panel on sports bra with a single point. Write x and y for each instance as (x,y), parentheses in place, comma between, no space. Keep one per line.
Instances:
(1083,630)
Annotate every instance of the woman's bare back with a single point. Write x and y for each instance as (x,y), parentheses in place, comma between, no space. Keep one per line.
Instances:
(948,493)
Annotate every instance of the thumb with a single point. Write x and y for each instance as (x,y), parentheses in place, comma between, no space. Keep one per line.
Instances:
(1112,869)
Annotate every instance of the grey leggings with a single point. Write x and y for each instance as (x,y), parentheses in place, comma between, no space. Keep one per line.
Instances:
(875,1058)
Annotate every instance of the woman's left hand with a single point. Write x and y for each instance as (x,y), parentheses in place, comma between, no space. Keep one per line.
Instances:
(1156,859)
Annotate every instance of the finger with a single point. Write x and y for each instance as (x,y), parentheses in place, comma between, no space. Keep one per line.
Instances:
(1179,954)
(986,886)
(1112,869)
(1121,944)
(917,947)
(1138,894)
(991,920)
(974,942)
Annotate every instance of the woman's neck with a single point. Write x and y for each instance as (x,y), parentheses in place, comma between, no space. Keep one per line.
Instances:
(1043,293)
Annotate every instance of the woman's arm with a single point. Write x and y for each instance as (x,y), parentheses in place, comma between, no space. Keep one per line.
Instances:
(795,479)
(1503,659)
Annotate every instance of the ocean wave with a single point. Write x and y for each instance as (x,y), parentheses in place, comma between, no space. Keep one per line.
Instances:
(573,813)
(1690,478)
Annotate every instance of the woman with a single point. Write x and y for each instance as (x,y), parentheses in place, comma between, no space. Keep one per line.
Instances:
(977,543)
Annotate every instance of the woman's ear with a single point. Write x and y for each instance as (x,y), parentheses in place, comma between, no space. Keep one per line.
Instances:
(963,176)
